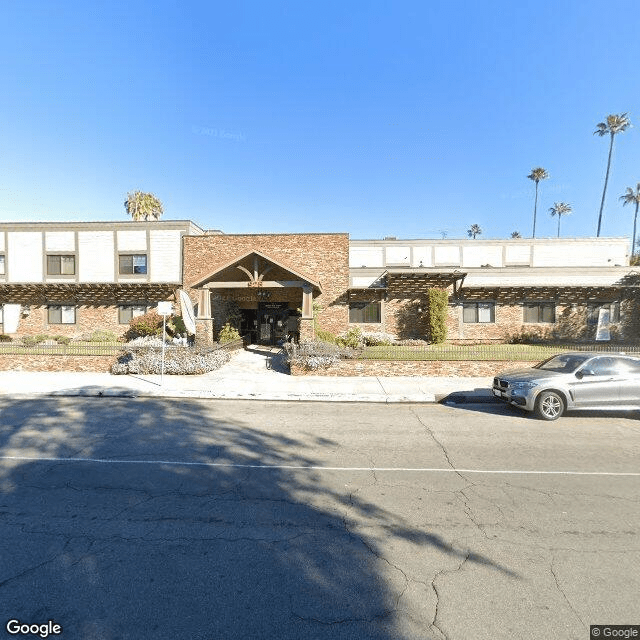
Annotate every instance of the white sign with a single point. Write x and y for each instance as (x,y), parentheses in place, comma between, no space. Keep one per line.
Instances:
(602,331)
(165,308)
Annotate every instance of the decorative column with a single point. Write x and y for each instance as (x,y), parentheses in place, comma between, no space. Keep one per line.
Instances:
(204,321)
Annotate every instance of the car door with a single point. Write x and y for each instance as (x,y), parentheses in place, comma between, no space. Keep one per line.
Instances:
(597,383)
(630,381)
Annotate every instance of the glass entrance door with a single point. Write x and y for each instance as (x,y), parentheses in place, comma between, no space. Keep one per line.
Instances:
(272,322)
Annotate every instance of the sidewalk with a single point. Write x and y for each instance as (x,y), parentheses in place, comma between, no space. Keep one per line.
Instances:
(250,375)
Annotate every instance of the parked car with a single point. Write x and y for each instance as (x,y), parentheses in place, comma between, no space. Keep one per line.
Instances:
(575,380)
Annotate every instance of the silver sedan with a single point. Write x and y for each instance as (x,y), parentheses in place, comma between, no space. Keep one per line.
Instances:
(575,380)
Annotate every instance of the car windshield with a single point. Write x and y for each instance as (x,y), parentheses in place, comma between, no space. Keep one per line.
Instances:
(564,363)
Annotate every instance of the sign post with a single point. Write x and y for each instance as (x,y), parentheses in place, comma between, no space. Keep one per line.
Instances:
(164,309)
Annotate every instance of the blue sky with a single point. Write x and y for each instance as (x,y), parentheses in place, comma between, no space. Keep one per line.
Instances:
(376,118)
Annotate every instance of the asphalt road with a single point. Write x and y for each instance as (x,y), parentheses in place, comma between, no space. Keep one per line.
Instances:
(152,518)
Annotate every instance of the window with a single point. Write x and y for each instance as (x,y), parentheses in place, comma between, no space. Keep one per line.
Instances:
(593,311)
(539,312)
(133,264)
(128,311)
(2,271)
(61,265)
(473,312)
(61,314)
(365,312)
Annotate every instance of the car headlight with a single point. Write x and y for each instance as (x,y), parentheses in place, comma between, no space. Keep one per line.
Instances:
(523,387)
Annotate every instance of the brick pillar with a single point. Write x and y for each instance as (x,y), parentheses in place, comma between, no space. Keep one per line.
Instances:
(204,321)
(307,331)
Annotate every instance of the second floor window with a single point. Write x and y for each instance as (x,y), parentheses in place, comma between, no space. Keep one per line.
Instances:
(133,264)
(61,265)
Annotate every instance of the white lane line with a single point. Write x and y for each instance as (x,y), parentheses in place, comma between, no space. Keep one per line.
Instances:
(232,465)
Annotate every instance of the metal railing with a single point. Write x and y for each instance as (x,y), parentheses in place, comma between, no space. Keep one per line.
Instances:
(506,352)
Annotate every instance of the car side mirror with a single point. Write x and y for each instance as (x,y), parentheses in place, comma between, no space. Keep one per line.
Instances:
(579,375)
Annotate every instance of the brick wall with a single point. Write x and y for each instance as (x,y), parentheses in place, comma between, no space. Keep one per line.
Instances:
(323,258)
(412,368)
(12,362)
(88,319)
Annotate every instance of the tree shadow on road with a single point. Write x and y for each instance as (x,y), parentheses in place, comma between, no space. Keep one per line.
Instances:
(169,519)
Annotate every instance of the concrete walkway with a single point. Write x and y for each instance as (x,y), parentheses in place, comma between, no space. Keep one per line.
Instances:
(255,374)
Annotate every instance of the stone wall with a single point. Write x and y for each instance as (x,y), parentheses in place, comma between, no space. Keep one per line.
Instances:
(12,362)
(413,368)
(89,318)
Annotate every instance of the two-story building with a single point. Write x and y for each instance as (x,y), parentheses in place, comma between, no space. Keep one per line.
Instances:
(73,278)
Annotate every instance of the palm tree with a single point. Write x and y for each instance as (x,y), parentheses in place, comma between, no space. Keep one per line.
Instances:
(614,124)
(143,206)
(560,209)
(515,234)
(632,197)
(536,175)
(474,231)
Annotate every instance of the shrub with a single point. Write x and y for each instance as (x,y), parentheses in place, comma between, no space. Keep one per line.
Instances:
(228,334)
(146,341)
(149,324)
(31,341)
(5,338)
(352,338)
(378,339)
(62,339)
(316,355)
(175,325)
(177,361)
(437,312)
(101,335)
(325,336)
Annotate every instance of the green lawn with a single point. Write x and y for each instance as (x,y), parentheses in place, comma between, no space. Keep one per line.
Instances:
(504,352)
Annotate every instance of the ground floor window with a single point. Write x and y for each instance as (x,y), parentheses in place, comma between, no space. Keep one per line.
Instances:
(127,312)
(474,312)
(539,312)
(593,311)
(61,314)
(365,312)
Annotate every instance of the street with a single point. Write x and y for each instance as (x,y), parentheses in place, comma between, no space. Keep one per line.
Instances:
(190,519)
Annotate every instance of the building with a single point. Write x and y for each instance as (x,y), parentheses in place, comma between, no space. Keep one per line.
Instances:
(73,278)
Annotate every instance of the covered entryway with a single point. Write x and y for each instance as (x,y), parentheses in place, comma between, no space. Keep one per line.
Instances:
(265,299)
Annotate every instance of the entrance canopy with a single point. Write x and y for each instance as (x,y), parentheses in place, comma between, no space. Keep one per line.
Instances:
(255,269)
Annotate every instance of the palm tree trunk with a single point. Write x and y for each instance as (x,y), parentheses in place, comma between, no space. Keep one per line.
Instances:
(535,210)
(604,191)
(633,238)
(559,216)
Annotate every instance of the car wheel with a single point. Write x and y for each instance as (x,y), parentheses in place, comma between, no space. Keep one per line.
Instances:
(549,405)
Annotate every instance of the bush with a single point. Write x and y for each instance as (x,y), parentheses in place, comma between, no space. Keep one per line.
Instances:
(316,355)
(149,324)
(32,341)
(228,334)
(5,338)
(377,339)
(177,361)
(325,336)
(438,303)
(100,335)
(146,341)
(175,325)
(352,338)
(62,339)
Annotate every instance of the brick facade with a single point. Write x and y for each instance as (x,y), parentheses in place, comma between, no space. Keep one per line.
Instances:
(322,258)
